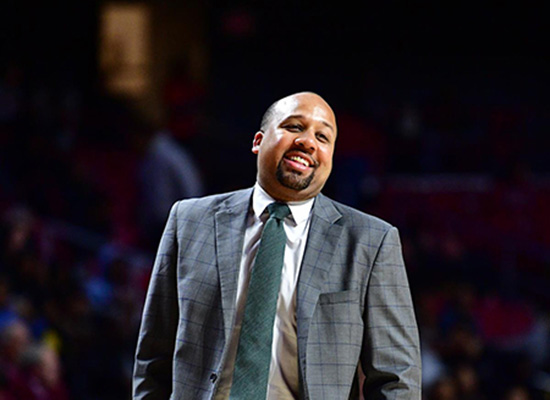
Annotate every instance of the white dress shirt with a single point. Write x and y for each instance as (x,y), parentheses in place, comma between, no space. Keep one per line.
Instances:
(283,371)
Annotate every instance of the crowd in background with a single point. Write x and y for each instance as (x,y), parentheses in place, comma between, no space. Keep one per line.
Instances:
(85,186)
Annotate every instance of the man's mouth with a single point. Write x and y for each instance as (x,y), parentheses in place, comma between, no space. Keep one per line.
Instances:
(298,162)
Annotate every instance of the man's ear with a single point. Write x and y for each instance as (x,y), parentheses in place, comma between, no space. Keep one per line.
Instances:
(258,137)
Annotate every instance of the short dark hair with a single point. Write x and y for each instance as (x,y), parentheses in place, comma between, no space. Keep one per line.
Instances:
(268,116)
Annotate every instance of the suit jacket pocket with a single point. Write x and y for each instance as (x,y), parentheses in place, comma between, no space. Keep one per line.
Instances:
(339,313)
(334,344)
(347,296)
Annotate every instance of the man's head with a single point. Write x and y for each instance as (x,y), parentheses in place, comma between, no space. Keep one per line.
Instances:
(295,147)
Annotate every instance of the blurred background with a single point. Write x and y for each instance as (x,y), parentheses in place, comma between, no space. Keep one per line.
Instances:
(110,111)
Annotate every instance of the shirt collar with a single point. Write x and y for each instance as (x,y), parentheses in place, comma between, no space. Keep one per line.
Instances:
(299,210)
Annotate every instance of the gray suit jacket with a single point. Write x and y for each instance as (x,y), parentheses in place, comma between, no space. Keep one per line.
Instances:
(353,304)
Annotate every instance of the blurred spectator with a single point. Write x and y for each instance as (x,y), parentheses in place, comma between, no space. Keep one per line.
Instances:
(467,382)
(14,339)
(517,393)
(167,173)
(7,313)
(433,367)
(42,373)
(444,389)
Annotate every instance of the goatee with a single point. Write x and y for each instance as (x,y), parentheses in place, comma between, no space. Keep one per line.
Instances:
(292,179)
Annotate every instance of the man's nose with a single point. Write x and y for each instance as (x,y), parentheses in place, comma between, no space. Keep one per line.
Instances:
(306,141)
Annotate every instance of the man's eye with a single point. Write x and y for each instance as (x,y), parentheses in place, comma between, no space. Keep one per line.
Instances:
(323,137)
(293,127)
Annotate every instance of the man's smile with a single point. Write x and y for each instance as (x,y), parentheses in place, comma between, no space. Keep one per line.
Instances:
(299,160)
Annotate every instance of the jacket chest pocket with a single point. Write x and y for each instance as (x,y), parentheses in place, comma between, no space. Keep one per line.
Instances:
(338,312)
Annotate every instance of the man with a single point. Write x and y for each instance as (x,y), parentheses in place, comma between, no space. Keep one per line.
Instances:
(343,306)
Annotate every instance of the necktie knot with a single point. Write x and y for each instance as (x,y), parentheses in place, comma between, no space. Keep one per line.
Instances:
(278,210)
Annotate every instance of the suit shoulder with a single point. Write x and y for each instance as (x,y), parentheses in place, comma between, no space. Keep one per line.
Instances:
(200,207)
(360,220)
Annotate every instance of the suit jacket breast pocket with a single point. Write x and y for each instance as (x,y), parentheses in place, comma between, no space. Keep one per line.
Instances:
(347,296)
(337,318)
(338,310)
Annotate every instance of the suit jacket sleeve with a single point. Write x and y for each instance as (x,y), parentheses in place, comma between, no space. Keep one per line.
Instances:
(153,363)
(390,355)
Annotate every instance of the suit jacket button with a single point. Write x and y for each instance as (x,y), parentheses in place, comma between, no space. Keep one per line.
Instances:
(213,378)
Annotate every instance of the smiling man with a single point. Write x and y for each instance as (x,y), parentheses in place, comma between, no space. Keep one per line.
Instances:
(295,147)
(277,292)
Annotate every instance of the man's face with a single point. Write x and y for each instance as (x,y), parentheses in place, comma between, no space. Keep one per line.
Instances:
(295,150)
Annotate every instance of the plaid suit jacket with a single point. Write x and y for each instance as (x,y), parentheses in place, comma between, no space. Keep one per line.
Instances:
(353,307)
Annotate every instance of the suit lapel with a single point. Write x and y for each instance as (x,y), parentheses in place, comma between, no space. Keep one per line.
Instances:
(322,242)
(230,228)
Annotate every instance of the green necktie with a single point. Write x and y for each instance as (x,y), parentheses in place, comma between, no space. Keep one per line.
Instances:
(254,350)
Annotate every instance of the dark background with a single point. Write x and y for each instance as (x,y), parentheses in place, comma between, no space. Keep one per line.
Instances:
(443,131)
